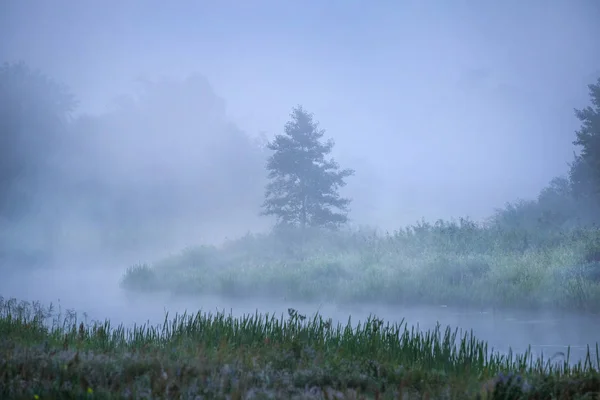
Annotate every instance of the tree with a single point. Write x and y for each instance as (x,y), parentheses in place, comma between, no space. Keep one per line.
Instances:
(584,173)
(34,114)
(190,163)
(303,185)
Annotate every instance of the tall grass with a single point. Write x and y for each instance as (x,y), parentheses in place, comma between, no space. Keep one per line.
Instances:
(42,351)
(460,263)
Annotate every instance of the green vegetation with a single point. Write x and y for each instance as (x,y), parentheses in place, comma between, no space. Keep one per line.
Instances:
(44,355)
(446,263)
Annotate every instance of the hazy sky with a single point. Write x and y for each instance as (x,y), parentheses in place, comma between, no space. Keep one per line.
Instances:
(458,106)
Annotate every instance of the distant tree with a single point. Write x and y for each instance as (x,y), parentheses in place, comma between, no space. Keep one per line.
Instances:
(585,170)
(34,114)
(303,185)
(160,158)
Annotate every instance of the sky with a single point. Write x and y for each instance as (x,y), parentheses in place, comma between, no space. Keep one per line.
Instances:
(444,108)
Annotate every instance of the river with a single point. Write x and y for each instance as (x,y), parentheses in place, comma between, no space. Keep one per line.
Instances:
(97,293)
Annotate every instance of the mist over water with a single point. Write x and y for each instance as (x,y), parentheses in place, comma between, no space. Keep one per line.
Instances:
(443,111)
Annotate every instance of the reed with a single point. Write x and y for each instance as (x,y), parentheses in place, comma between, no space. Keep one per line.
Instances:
(51,353)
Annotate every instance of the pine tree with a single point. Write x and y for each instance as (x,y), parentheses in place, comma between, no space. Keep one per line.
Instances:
(585,170)
(303,185)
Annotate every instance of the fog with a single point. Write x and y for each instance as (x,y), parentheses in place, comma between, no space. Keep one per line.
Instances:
(434,99)
(444,110)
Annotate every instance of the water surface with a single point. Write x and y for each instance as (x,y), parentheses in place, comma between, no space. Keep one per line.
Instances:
(97,293)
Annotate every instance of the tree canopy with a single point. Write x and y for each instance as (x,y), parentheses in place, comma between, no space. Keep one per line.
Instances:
(34,112)
(303,184)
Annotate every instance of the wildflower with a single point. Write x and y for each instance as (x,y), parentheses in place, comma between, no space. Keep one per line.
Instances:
(90,391)
(36,397)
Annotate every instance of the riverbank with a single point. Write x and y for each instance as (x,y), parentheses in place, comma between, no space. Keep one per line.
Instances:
(296,356)
(451,265)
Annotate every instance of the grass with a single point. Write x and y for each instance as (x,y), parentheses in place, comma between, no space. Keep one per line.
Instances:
(46,355)
(454,263)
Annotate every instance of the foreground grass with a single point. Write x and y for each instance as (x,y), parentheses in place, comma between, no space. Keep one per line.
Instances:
(46,355)
(447,263)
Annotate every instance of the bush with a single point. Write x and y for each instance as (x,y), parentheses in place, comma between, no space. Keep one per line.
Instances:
(140,277)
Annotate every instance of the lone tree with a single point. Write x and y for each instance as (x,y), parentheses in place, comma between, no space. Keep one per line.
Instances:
(303,187)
